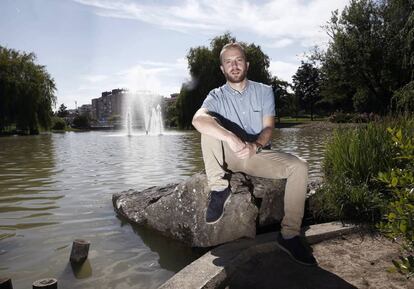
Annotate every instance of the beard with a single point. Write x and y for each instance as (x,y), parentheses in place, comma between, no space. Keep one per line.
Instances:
(236,75)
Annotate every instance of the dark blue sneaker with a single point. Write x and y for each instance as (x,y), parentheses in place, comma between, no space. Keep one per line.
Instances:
(217,201)
(295,248)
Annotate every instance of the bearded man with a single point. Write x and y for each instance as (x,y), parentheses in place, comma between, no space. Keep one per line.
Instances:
(236,122)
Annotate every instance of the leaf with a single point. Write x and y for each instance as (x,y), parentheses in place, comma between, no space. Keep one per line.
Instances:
(394,181)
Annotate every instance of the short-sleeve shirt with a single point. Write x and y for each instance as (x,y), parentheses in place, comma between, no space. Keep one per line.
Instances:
(246,109)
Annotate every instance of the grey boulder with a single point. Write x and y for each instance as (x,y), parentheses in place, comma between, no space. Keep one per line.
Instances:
(178,210)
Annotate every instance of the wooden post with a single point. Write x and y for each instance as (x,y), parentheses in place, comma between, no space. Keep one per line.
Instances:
(6,283)
(48,283)
(80,250)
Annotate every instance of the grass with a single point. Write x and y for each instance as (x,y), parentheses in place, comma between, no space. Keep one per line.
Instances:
(353,160)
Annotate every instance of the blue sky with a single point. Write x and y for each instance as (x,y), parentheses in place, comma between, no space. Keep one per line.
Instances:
(90,46)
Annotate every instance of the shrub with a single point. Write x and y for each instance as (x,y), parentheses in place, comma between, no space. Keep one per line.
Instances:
(353,159)
(399,220)
(404,98)
(81,121)
(59,123)
(340,117)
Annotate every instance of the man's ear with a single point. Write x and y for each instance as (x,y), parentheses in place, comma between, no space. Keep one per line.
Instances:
(247,65)
(222,68)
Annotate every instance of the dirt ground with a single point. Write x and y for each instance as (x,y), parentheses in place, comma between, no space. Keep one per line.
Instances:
(362,260)
(353,261)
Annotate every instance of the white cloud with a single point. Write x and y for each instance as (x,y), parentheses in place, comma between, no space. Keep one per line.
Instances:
(280,43)
(283,70)
(280,21)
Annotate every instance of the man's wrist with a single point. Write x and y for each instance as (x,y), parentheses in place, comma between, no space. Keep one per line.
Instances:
(259,147)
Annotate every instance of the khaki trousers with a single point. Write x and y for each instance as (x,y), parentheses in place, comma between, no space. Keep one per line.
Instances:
(219,158)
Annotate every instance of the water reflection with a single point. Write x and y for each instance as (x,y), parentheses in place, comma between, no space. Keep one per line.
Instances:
(57,188)
(27,165)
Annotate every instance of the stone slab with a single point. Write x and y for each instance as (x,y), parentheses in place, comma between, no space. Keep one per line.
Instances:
(211,270)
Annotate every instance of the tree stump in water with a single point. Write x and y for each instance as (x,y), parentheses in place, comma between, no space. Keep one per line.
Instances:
(47,283)
(80,250)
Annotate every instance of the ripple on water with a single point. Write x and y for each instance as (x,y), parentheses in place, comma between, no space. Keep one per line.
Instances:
(56,188)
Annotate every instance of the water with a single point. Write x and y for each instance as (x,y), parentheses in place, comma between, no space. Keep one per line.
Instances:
(56,188)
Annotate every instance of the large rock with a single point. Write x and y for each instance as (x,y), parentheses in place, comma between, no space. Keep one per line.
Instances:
(178,210)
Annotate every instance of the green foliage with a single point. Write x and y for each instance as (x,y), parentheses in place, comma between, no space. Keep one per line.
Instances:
(353,159)
(26,92)
(358,154)
(282,97)
(399,220)
(171,115)
(62,112)
(404,98)
(341,117)
(340,199)
(306,84)
(371,54)
(204,67)
(81,121)
(58,123)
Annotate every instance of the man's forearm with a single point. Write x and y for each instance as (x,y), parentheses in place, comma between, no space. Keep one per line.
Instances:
(265,136)
(208,125)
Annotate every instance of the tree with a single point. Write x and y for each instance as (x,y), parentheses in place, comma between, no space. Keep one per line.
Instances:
(62,112)
(81,121)
(370,54)
(306,85)
(204,68)
(26,92)
(280,91)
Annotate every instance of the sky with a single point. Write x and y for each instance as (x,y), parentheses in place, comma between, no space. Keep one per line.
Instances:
(91,46)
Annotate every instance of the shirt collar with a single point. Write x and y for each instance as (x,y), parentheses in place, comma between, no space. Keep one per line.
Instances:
(236,92)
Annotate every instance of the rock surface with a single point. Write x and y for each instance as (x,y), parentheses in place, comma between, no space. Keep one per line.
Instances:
(178,210)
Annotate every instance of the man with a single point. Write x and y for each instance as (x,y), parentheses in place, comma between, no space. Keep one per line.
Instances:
(236,122)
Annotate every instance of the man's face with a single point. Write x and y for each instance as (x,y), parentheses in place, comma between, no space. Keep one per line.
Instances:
(234,65)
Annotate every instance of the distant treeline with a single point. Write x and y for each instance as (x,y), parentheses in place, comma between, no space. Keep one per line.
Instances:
(368,66)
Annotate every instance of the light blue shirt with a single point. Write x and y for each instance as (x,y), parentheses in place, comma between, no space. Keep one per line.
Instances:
(246,109)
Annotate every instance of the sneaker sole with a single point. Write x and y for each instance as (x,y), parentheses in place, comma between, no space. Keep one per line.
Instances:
(293,257)
(224,208)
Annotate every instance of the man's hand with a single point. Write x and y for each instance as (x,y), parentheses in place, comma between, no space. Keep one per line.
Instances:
(235,143)
(247,152)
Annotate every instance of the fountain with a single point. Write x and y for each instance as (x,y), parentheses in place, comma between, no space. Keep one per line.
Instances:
(142,113)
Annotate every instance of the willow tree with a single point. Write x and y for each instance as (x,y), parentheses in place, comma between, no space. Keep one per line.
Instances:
(204,68)
(26,93)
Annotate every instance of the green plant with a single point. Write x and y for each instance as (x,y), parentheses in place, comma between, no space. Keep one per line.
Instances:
(58,123)
(399,219)
(357,155)
(353,159)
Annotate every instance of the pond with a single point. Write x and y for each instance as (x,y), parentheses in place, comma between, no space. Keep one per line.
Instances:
(55,188)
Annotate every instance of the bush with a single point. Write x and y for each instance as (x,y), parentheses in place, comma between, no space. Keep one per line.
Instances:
(58,123)
(81,121)
(404,98)
(353,159)
(399,220)
(340,117)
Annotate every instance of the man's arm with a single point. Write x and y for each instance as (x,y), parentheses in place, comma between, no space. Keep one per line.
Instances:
(206,124)
(264,137)
(266,134)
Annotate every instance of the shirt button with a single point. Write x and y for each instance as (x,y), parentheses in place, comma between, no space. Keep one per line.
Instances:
(244,112)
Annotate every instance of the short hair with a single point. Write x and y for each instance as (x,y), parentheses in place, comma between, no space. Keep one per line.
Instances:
(232,45)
